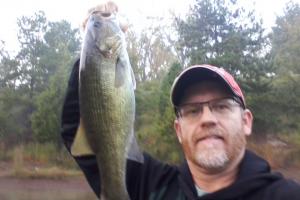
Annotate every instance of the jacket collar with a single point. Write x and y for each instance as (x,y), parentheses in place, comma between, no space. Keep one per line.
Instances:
(254,172)
(186,181)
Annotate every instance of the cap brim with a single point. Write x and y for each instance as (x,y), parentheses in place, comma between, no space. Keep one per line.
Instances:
(193,75)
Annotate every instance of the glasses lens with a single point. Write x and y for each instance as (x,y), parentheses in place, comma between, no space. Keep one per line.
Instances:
(222,106)
(191,110)
(219,107)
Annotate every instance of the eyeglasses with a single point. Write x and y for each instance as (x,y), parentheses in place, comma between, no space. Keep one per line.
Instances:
(219,108)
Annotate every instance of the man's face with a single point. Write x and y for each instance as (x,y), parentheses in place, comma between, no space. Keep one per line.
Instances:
(213,141)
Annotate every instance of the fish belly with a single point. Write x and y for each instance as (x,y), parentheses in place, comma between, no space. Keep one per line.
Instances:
(107,112)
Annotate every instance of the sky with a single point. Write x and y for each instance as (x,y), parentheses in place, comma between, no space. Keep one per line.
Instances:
(136,11)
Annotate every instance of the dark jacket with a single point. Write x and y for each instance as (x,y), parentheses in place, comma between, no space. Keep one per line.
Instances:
(156,180)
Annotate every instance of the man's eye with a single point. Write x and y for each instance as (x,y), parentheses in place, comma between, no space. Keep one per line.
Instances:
(192,110)
(221,106)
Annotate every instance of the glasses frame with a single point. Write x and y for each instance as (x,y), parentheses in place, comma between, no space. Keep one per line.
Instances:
(235,99)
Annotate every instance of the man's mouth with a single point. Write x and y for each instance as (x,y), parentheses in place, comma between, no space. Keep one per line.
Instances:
(211,137)
(211,140)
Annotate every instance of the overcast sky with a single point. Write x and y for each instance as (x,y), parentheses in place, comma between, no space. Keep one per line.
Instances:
(136,10)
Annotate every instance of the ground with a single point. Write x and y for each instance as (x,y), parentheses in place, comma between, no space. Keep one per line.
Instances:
(72,188)
(67,188)
(36,189)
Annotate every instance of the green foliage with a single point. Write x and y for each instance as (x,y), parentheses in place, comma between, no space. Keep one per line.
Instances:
(150,52)
(169,145)
(38,154)
(9,72)
(164,99)
(33,83)
(13,106)
(224,34)
(62,44)
(46,153)
(285,40)
(227,35)
(151,57)
(285,94)
(13,110)
(33,73)
(155,117)
(169,149)
(220,32)
(147,97)
(46,119)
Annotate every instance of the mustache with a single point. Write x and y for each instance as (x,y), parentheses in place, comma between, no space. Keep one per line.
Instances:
(210,133)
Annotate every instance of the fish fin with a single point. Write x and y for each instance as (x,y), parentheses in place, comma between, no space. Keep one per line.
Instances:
(80,146)
(120,72)
(133,78)
(121,65)
(133,150)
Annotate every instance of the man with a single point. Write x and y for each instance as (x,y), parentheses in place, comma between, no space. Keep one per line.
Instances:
(212,123)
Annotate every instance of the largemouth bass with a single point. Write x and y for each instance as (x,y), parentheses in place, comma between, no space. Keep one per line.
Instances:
(107,101)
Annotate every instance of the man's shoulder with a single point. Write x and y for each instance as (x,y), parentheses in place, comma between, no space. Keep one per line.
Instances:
(281,189)
(285,189)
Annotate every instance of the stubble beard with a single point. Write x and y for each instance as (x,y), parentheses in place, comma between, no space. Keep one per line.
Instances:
(212,159)
(216,158)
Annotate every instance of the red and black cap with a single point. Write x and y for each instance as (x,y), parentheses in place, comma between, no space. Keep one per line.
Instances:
(198,73)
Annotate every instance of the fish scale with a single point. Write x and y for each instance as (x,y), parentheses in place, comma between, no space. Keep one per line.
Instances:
(107,102)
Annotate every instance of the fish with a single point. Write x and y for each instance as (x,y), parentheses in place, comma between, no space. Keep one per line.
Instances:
(107,102)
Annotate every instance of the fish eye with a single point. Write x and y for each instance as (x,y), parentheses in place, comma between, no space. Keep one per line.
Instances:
(97,24)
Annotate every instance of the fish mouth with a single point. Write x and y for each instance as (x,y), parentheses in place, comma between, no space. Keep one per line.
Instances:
(110,46)
(104,15)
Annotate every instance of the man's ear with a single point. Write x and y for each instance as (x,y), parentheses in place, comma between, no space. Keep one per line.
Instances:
(247,122)
(177,128)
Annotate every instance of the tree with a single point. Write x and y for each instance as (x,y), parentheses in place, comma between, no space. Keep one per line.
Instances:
(13,116)
(46,118)
(147,96)
(63,45)
(9,70)
(33,75)
(155,117)
(151,55)
(13,106)
(33,83)
(285,40)
(165,125)
(221,33)
(149,52)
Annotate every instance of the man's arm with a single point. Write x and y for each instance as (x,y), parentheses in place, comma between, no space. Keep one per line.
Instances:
(69,125)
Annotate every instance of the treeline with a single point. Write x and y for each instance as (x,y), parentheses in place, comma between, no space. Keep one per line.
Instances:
(220,32)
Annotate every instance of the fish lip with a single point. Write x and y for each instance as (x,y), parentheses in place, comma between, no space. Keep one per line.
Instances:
(104,15)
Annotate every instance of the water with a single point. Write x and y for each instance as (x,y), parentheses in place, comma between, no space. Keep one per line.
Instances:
(45,195)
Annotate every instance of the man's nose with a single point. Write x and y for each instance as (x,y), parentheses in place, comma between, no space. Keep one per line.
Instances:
(207,117)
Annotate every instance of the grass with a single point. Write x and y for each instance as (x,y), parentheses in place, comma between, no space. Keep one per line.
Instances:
(48,161)
(48,153)
(45,173)
(40,161)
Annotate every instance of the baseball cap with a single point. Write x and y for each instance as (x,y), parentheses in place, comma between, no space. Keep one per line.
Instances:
(198,73)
